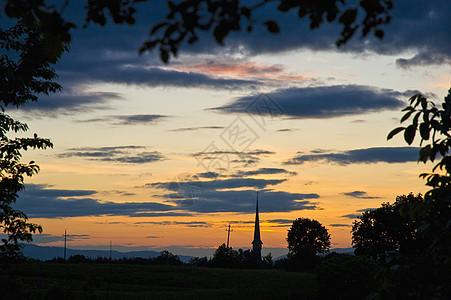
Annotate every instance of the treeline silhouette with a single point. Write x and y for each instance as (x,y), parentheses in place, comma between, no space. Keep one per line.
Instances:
(224,257)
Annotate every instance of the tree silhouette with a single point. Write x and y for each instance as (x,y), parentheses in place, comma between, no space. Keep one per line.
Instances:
(187,19)
(225,257)
(427,275)
(167,258)
(25,68)
(379,232)
(306,239)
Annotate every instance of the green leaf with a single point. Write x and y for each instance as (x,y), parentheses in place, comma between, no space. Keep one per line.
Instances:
(272,26)
(395,132)
(409,134)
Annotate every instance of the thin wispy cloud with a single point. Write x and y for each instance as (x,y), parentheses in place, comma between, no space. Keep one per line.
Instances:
(351,216)
(264,171)
(119,154)
(197,128)
(138,119)
(177,223)
(226,158)
(360,195)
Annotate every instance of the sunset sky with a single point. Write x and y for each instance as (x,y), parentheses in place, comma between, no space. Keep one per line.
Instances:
(154,156)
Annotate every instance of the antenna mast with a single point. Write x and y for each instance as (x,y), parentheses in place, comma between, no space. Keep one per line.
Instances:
(65,243)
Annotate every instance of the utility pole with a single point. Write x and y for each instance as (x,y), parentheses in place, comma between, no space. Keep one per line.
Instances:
(228,235)
(65,243)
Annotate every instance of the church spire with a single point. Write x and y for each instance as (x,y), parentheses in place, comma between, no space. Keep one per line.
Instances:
(257,242)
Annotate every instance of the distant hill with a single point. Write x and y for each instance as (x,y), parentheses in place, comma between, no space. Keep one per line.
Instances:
(349,250)
(48,253)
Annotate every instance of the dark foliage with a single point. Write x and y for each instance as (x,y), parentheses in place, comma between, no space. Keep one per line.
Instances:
(226,257)
(198,261)
(380,232)
(29,48)
(346,277)
(187,19)
(166,258)
(306,239)
(426,275)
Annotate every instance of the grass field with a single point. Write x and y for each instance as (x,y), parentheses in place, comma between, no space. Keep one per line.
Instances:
(96,281)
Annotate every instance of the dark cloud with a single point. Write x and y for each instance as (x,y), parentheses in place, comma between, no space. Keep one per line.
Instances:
(121,154)
(286,129)
(211,175)
(40,201)
(140,119)
(217,159)
(70,102)
(423,59)
(110,53)
(242,174)
(214,199)
(187,224)
(412,21)
(117,192)
(263,171)
(162,214)
(280,221)
(219,184)
(340,225)
(154,77)
(367,156)
(360,195)
(44,238)
(322,102)
(197,128)
(364,209)
(351,216)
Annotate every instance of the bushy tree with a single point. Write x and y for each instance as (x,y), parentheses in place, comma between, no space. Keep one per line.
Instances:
(28,53)
(198,261)
(426,276)
(225,257)
(167,258)
(346,277)
(306,239)
(379,232)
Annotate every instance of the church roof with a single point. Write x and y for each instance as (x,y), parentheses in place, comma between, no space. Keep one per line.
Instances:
(257,240)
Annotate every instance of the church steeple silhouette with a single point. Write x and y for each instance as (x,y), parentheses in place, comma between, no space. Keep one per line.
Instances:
(257,242)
